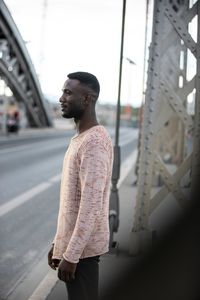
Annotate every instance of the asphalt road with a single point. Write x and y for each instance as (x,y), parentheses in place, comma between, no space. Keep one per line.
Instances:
(29,199)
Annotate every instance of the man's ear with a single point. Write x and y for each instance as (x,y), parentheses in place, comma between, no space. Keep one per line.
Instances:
(87,99)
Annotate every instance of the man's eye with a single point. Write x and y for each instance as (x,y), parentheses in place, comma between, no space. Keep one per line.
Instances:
(67,92)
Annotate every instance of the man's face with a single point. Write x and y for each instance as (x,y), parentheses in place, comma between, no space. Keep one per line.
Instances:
(72,99)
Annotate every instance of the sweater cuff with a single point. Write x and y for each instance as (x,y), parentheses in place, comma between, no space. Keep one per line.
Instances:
(70,260)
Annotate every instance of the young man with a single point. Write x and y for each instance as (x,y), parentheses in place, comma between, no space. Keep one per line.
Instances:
(83,229)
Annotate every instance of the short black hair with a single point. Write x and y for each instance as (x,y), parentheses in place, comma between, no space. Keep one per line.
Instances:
(87,79)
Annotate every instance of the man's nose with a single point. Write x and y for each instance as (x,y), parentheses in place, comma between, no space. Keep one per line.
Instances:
(61,99)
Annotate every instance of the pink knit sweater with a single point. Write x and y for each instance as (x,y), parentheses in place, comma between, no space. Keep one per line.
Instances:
(83,228)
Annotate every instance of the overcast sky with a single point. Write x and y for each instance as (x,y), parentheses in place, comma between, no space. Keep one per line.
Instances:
(64,36)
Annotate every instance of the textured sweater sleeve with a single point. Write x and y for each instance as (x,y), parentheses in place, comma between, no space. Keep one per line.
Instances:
(94,162)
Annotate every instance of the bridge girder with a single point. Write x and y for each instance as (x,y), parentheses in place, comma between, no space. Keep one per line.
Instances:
(18,72)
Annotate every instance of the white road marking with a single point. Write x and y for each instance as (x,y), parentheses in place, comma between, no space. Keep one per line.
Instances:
(55,178)
(28,195)
(49,281)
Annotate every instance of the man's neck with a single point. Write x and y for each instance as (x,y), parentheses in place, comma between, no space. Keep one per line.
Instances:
(83,125)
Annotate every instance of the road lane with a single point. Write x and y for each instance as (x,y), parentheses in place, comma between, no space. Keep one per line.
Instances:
(26,230)
(22,170)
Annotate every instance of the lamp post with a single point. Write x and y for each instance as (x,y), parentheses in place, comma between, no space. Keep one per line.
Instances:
(114,198)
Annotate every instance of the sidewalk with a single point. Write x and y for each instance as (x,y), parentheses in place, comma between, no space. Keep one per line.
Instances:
(111,265)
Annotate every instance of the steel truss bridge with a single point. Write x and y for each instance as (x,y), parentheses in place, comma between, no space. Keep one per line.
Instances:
(17,70)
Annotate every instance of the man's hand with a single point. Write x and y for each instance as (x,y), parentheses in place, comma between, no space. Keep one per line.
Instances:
(53,263)
(66,270)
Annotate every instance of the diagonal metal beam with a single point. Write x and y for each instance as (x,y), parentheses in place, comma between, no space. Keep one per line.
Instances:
(187,88)
(176,103)
(172,183)
(177,176)
(190,13)
(181,28)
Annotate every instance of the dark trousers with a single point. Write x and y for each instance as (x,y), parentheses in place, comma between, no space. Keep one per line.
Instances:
(85,284)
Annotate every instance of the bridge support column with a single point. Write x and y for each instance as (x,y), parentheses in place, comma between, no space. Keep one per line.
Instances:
(166,112)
